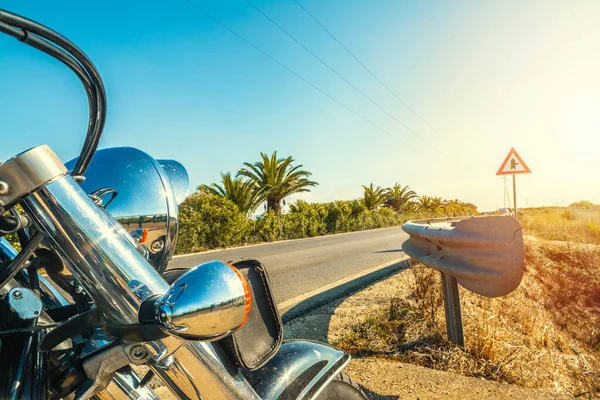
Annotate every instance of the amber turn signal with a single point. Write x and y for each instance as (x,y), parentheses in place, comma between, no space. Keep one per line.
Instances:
(247,293)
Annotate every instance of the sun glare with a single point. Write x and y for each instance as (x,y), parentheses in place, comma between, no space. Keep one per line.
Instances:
(581,130)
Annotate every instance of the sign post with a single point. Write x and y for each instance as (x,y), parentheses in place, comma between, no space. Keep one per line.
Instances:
(515,195)
(513,164)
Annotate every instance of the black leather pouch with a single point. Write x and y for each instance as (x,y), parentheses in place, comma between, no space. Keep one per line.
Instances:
(260,337)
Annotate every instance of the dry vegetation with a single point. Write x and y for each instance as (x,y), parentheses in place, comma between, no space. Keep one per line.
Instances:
(562,224)
(546,334)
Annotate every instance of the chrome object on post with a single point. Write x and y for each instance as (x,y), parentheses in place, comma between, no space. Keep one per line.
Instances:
(208,302)
(26,172)
(147,196)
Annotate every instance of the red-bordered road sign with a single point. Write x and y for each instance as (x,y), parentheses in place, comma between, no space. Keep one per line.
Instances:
(513,164)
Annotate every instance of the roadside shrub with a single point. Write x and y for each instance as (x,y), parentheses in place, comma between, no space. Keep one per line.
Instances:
(209,221)
(305,220)
(269,227)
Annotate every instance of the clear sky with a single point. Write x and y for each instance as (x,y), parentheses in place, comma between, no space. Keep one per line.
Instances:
(486,75)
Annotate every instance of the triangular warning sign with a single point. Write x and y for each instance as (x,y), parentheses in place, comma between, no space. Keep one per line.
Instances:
(513,164)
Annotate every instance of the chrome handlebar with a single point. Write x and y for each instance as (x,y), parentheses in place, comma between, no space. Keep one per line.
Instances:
(52,43)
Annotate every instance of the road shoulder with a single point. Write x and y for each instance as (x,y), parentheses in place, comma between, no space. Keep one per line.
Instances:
(388,379)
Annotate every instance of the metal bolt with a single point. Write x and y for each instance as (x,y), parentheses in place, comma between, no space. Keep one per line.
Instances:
(3,187)
(162,316)
(78,289)
(17,294)
(138,352)
(157,245)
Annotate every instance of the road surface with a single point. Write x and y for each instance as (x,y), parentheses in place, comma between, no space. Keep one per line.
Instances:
(300,266)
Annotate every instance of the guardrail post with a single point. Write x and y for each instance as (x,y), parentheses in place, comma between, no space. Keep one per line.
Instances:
(452,310)
(484,254)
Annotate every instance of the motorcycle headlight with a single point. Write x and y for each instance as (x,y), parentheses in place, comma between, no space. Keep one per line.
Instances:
(142,193)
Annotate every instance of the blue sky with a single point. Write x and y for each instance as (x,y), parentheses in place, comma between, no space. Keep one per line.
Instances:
(486,75)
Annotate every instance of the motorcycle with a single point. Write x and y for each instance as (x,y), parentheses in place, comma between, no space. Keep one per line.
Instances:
(88,305)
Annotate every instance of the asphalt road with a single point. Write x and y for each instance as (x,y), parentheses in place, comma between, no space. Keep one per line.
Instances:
(300,266)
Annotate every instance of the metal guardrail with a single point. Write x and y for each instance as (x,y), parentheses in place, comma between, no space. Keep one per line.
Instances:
(483,254)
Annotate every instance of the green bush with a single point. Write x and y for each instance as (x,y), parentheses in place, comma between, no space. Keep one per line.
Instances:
(210,221)
(269,226)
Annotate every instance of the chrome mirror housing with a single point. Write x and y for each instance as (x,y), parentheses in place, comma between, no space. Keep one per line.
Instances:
(207,303)
(142,194)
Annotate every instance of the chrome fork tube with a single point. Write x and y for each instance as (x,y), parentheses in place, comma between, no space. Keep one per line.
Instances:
(96,247)
(102,256)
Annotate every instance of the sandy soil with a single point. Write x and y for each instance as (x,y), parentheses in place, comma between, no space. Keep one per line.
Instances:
(387,380)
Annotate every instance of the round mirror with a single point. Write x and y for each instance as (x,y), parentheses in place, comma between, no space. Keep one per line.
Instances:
(142,194)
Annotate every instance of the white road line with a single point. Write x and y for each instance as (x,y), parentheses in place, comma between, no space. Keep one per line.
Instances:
(288,304)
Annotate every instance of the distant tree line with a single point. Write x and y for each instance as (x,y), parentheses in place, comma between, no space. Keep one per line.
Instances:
(224,214)
(585,204)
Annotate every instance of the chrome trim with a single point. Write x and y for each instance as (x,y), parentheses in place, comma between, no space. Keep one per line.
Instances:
(200,371)
(103,258)
(101,366)
(180,180)
(300,370)
(99,252)
(207,302)
(125,385)
(27,172)
(145,196)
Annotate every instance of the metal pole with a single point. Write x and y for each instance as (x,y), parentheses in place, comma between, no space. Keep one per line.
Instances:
(452,310)
(515,195)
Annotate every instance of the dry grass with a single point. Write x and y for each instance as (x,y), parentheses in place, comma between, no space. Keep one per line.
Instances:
(543,335)
(562,224)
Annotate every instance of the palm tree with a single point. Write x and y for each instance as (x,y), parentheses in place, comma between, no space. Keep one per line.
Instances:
(469,209)
(430,204)
(276,179)
(374,196)
(399,198)
(454,208)
(242,192)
